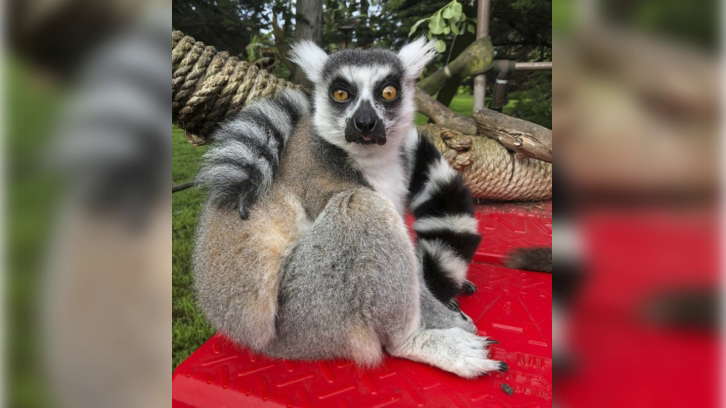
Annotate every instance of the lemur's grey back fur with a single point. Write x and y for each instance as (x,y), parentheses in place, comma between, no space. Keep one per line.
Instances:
(241,165)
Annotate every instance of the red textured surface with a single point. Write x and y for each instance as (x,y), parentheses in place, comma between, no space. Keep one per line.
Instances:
(624,360)
(511,306)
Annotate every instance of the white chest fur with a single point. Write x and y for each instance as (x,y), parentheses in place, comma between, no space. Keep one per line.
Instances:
(383,168)
(387,177)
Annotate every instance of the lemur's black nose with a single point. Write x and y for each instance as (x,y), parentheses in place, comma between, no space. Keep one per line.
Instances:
(365,122)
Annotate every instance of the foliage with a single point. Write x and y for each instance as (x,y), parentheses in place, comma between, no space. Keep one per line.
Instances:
(531,97)
(227,24)
(449,19)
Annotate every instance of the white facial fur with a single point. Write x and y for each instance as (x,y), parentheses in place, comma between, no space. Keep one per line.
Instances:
(380,164)
(331,125)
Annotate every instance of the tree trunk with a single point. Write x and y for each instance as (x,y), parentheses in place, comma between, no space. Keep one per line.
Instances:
(309,26)
(451,86)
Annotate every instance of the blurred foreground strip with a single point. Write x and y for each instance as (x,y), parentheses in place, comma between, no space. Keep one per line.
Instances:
(101,314)
(636,242)
(634,115)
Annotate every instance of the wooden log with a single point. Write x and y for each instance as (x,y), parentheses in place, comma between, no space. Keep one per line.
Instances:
(442,115)
(525,138)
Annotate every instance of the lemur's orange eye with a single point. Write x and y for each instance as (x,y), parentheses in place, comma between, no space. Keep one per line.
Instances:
(389,93)
(340,95)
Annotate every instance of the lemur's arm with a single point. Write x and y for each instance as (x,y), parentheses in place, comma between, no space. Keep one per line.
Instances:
(445,224)
(241,165)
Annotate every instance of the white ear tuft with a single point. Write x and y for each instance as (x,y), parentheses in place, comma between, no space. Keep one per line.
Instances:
(414,57)
(311,58)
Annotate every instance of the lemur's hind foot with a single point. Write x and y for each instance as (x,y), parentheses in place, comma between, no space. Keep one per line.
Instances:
(454,350)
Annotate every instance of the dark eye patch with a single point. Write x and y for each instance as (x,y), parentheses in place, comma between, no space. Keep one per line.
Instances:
(340,83)
(390,80)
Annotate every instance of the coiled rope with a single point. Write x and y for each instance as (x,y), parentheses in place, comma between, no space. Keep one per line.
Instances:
(209,86)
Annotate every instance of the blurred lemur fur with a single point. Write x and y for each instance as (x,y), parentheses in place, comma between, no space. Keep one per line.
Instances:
(322,265)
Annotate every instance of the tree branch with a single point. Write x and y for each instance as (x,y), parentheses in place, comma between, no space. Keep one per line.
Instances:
(281,41)
(183,186)
(442,115)
(517,135)
(526,138)
(474,60)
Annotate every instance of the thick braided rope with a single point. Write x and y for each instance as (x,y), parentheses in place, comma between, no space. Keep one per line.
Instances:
(209,86)
(489,169)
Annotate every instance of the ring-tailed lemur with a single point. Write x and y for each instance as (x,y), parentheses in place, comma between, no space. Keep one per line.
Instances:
(322,266)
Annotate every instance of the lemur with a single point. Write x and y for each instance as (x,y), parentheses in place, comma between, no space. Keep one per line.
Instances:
(322,265)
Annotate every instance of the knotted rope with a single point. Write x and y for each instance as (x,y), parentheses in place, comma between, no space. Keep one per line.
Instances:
(209,86)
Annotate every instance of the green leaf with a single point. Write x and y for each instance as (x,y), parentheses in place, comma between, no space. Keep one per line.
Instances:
(471,29)
(456,7)
(440,46)
(436,24)
(415,26)
(448,13)
(454,28)
(446,30)
(429,35)
(462,17)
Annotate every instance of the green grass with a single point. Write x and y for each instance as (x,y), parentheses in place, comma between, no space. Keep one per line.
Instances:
(189,326)
(461,104)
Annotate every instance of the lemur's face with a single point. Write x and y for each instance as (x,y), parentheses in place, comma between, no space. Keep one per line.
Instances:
(363,98)
(362,102)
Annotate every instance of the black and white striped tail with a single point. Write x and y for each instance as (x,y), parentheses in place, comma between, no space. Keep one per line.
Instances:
(241,165)
(445,224)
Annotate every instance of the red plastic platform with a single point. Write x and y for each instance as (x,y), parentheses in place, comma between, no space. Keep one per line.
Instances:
(511,306)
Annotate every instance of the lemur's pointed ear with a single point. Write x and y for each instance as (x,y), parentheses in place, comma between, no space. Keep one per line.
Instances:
(311,58)
(414,57)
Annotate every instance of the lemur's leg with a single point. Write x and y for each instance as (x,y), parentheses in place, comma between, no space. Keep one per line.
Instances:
(350,281)
(241,165)
(237,265)
(447,339)
(436,315)
(454,350)
(353,285)
(445,224)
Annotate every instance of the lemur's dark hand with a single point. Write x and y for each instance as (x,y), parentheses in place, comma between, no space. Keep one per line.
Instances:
(244,203)
(468,288)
